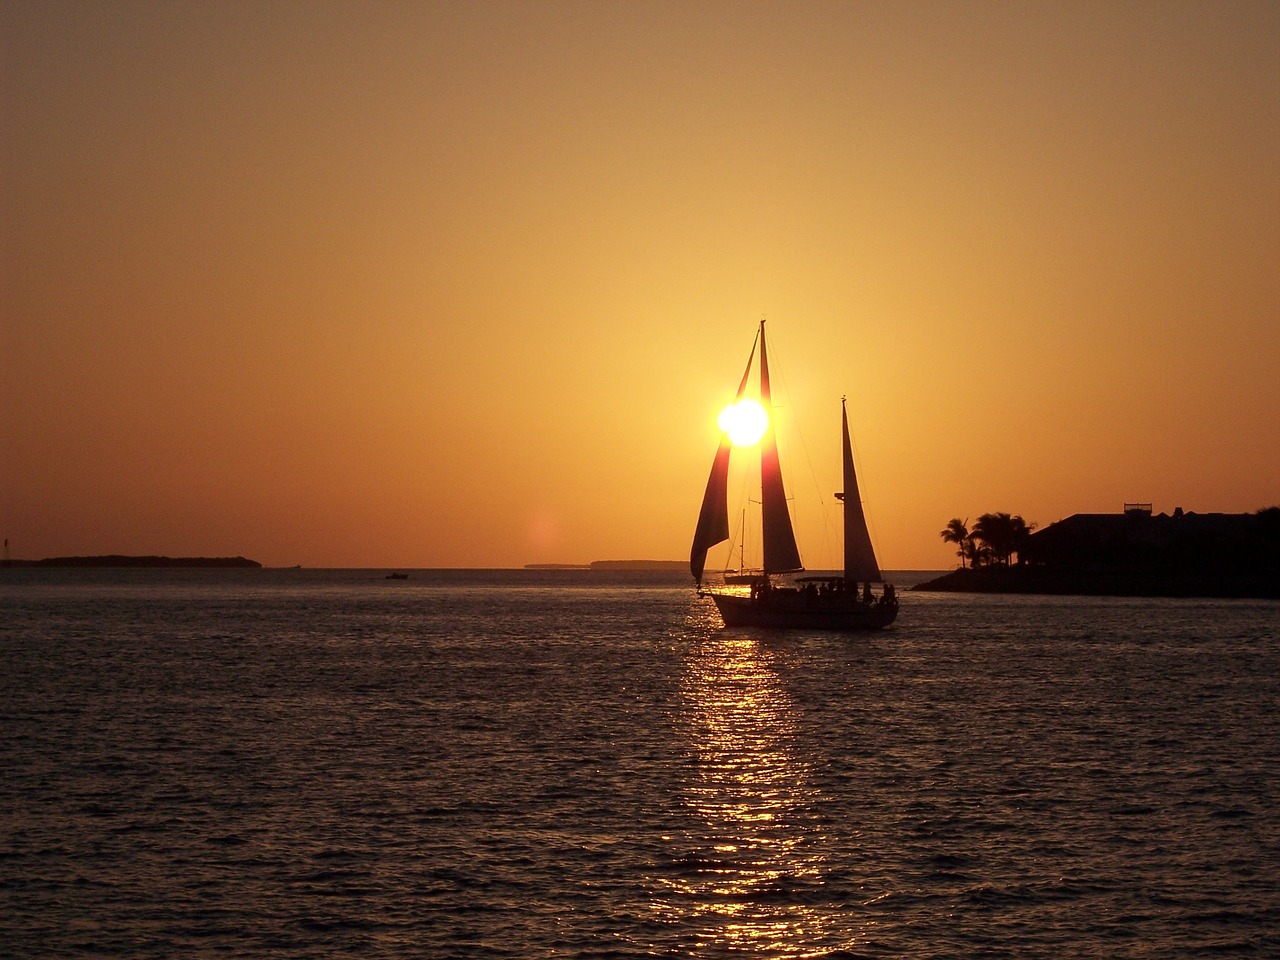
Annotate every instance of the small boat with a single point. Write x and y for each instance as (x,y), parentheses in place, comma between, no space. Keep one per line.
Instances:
(397,576)
(809,603)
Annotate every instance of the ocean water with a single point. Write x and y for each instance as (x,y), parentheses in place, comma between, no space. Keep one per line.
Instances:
(570,764)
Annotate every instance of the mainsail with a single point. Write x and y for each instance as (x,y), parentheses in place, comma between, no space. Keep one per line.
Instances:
(859,555)
(780,552)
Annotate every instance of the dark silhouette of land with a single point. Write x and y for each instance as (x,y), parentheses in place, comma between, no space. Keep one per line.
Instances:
(1137,554)
(613,565)
(116,560)
(639,564)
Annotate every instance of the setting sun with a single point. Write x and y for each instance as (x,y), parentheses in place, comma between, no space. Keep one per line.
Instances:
(744,421)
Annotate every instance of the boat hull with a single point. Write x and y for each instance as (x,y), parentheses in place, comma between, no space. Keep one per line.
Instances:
(800,612)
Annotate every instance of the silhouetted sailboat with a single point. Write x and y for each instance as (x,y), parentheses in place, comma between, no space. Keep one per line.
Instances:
(810,603)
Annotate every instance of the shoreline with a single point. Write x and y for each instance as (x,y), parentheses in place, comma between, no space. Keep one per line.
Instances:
(119,560)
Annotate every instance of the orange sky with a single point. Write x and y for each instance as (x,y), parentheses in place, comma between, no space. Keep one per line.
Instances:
(412,284)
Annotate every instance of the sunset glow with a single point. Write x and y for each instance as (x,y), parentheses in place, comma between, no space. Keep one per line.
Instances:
(347,284)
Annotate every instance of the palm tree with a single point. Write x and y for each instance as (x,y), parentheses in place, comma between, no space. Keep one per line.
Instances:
(957,532)
(1002,534)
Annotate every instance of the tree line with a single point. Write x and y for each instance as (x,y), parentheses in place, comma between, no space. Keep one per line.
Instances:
(992,542)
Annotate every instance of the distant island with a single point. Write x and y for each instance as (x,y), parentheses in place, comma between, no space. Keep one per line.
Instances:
(640,565)
(116,560)
(1183,554)
(613,565)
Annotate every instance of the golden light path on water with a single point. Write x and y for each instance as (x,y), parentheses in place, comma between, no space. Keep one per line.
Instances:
(761,863)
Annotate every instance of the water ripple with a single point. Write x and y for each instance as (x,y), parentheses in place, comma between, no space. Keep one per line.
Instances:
(488,766)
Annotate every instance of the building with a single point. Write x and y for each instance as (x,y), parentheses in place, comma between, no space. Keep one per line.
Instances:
(1182,553)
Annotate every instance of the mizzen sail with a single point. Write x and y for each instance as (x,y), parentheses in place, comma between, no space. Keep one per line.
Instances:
(859,555)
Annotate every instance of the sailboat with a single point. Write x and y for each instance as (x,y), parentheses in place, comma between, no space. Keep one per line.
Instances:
(806,603)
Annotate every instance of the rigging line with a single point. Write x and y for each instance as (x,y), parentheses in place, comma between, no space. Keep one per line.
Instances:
(738,542)
(748,475)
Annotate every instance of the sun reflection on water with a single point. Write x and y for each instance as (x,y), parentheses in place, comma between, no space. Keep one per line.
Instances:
(751,878)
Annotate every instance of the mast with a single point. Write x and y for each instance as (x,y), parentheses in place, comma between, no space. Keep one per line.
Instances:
(859,555)
(780,552)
